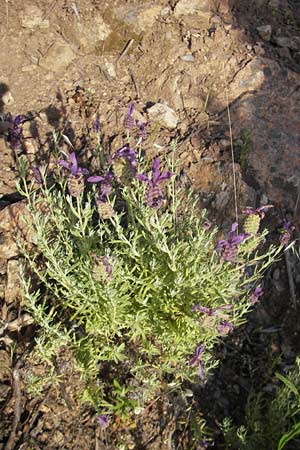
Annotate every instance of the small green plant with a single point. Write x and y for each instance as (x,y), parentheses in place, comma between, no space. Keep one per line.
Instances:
(132,280)
(270,423)
(243,146)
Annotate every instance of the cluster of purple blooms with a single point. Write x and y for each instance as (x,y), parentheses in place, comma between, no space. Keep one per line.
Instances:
(229,247)
(287,232)
(15,134)
(129,123)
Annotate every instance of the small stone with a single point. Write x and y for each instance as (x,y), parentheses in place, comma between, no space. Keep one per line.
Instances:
(291,42)
(187,58)
(108,69)
(7,98)
(12,288)
(29,68)
(33,17)
(265,32)
(186,7)
(139,18)
(163,115)
(284,52)
(58,58)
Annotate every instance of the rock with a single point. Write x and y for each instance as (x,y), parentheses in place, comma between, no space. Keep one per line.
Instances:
(8,170)
(108,69)
(7,98)
(186,7)
(265,32)
(292,42)
(284,52)
(187,58)
(86,35)
(13,229)
(33,17)
(13,286)
(163,115)
(58,58)
(140,17)
(264,96)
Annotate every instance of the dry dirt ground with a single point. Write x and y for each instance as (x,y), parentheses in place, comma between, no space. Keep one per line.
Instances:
(220,70)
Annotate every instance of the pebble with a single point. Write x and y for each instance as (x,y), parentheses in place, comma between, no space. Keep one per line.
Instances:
(33,17)
(7,98)
(58,58)
(187,58)
(163,115)
(265,32)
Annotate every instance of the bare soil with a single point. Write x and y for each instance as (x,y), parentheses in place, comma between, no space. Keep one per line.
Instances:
(64,63)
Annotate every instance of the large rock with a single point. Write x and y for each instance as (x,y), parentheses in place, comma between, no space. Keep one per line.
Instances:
(265,101)
(58,58)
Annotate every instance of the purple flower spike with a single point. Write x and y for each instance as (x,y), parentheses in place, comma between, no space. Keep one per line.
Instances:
(72,166)
(103,421)
(196,360)
(259,211)
(96,125)
(141,129)
(224,327)
(154,194)
(229,246)
(254,297)
(287,232)
(15,134)
(128,121)
(37,175)
(207,225)
(127,153)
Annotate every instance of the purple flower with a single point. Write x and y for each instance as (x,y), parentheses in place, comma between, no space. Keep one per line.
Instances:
(141,129)
(229,246)
(105,185)
(154,194)
(204,444)
(128,153)
(72,166)
(103,421)
(128,121)
(207,225)
(287,232)
(37,175)
(259,211)
(96,125)
(196,360)
(14,135)
(76,176)
(224,327)
(254,297)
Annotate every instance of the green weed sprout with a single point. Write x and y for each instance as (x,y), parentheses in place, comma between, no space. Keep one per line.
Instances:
(131,279)
(270,423)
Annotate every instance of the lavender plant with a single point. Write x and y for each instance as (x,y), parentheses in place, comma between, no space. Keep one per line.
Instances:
(144,290)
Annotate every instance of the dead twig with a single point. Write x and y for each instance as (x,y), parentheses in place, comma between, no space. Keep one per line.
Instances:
(17,394)
(134,83)
(232,158)
(52,6)
(289,264)
(124,51)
